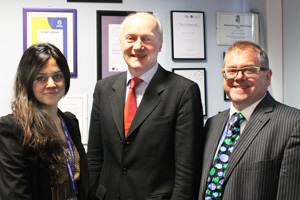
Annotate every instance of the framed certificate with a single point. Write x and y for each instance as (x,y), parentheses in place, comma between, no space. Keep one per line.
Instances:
(188,35)
(226,98)
(56,26)
(97,1)
(232,27)
(77,104)
(109,56)
(198,75)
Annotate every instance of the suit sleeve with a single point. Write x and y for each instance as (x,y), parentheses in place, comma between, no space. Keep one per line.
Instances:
(289,184)
(95,149)
(188,145)
(14,172)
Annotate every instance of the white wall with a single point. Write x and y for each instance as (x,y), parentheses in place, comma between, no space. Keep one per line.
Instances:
(274,46)
(11,40)
(291,49)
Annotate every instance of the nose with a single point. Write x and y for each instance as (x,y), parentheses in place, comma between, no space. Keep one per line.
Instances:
(50,83)
(239,75)
(138,44)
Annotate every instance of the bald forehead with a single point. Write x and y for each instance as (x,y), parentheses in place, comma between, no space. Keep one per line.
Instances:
(140,17)
(141,20)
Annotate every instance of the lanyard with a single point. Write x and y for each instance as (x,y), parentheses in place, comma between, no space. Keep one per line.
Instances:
(70,166)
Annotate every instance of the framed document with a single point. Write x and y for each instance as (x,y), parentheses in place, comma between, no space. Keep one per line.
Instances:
(232,27)
(226,98)
(56,26)
(103,1)
(197,75)
(77,104)
(188,35)
(109,56)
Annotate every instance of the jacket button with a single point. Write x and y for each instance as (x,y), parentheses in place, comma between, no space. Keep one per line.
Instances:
(124,171)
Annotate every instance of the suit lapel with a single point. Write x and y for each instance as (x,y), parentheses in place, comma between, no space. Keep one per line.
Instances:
(150,99)
(215,133)
(117,102)
(256,122)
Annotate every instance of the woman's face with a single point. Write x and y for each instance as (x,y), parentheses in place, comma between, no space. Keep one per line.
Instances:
(49,84)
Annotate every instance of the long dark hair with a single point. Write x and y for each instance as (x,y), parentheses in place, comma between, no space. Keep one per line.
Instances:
(40,139)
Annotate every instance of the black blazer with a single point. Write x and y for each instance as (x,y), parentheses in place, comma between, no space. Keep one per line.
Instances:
(20,180)
(160,157)
(265,163)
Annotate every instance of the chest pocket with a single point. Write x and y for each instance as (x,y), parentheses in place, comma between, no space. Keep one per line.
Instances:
(158,120)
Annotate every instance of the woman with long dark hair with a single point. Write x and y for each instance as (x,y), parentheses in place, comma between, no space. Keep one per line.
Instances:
(41,154)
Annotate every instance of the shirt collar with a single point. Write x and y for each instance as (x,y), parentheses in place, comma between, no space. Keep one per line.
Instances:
(247,112)
(146,77)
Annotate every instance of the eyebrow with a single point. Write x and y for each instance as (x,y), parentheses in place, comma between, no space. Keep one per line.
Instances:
(249,65)
(137,35)
(56,72)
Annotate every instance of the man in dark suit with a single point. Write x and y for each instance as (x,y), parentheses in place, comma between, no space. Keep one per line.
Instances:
(160,156)
(265,161)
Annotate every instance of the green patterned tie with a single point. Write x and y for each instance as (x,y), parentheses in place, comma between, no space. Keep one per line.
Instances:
(217,172)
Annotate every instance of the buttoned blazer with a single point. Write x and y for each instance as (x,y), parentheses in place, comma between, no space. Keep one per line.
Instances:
(160,157)
(265,163)
(21,179)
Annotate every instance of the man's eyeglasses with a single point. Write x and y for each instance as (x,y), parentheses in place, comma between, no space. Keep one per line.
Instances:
(248,72)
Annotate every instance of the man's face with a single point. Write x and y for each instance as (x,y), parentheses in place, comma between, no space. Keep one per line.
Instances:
(140,43)
(245,91)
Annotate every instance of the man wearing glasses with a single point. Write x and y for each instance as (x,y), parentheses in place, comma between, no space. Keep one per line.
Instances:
(252,150)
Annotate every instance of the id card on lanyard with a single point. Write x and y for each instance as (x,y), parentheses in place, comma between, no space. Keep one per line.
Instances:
(70,164)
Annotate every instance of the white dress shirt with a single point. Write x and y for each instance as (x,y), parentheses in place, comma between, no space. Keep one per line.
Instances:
(141,88)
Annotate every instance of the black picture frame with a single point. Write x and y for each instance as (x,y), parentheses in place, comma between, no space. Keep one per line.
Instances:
(226,98)
(197,75)
(99,1)
(188,35)
(104,19)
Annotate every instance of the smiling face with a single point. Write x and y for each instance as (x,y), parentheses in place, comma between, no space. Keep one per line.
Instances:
(245,91)
(140,43)
(49,84)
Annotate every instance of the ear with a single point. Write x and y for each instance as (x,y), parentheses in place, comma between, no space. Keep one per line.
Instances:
(269,75)
(160,46)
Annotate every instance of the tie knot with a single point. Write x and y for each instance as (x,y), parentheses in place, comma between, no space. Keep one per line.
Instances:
(238,118)
(134,82)
(239,115)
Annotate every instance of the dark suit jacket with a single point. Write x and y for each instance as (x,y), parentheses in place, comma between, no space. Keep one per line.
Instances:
(265,163)
(160,157)
(20,179)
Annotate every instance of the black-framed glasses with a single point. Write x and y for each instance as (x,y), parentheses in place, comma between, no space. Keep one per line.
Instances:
(248,72)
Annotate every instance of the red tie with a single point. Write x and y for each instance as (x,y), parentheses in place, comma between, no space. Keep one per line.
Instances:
(131,105)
